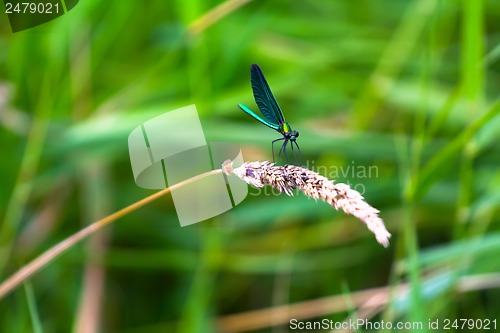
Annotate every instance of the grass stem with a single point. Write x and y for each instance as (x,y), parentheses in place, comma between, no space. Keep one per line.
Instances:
(39,262)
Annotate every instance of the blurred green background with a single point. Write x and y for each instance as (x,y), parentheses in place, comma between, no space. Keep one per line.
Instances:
(409,87)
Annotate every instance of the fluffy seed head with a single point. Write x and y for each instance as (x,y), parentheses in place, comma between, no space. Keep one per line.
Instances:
(289,177)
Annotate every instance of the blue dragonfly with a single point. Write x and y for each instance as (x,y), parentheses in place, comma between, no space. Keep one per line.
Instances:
(273,116)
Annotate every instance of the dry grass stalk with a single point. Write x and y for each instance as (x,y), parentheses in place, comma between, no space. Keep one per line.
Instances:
(289,177)
(257,174)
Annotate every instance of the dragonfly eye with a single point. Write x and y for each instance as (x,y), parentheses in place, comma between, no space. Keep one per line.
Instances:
(296,134)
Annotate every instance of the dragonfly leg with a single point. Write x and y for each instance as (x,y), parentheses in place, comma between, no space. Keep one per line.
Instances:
(283,150)
(294,154)
(288,159)
(272,147)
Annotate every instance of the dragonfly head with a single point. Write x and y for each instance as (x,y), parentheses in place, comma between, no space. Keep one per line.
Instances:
(290,134)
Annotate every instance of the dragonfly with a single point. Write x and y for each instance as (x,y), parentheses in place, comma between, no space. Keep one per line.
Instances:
(273,116)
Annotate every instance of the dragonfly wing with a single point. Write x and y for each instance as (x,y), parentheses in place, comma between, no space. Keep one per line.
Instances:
(259,118)
(264,97)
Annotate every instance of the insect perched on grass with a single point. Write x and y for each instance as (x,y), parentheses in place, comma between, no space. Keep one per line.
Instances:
(272,113)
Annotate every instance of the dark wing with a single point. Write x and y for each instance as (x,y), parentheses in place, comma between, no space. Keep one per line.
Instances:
(264,97)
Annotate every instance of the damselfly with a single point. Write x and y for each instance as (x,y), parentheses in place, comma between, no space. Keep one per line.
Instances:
(273,115)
